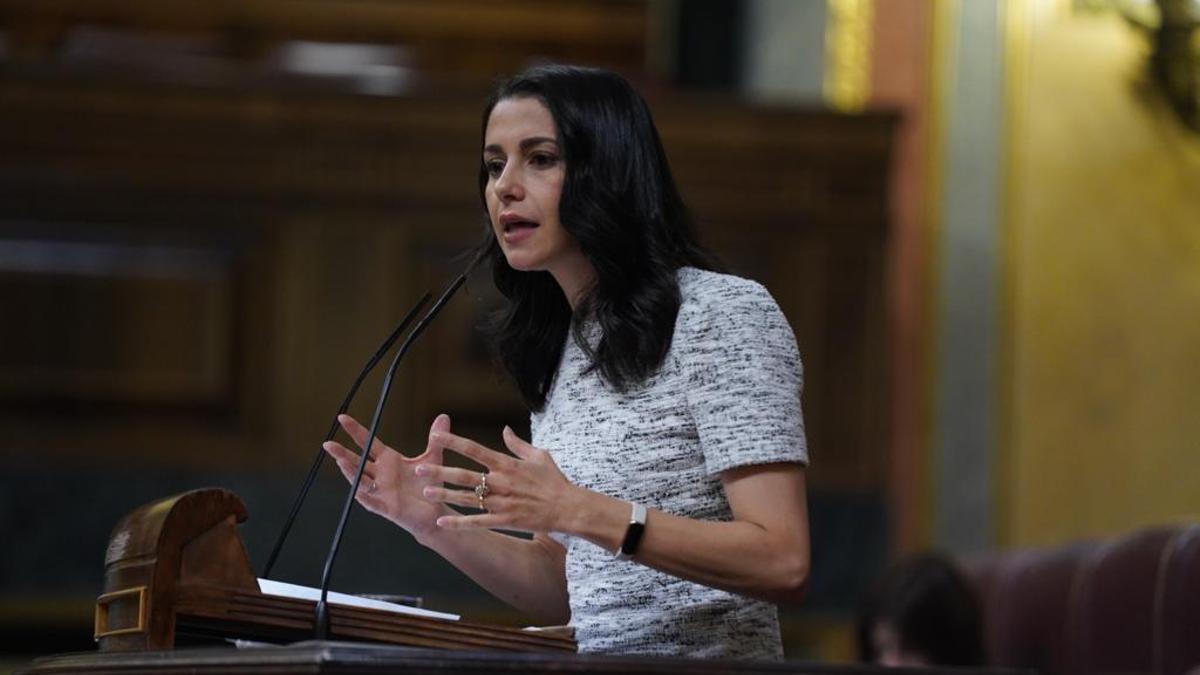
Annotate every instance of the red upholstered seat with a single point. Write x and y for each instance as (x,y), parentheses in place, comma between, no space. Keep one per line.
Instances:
(1125,605)
(1178,646)
(1112,612)
(1026,620)
(985,573)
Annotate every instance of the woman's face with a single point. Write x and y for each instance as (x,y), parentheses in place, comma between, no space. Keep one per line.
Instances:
(525,178)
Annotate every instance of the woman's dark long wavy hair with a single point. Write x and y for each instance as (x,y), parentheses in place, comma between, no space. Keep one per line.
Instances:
(620,203)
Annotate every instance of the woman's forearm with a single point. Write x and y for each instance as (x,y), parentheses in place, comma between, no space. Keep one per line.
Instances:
(528,574)
(760,553)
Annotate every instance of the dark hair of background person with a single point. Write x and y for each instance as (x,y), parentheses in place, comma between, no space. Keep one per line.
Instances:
(620,203)
(933,609)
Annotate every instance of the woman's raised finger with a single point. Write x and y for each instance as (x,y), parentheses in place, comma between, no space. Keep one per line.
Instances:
(359,434)
(488,520)
(340,452)
(455,497)
(470,449)
(347,462)
(451,475)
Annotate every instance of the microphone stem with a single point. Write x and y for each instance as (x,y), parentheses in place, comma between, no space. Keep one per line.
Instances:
(314,469)
(321,616)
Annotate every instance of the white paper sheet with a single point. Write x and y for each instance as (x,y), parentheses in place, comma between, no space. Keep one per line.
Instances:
(270,587)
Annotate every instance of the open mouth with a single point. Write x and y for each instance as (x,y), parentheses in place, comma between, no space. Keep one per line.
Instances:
(519,225)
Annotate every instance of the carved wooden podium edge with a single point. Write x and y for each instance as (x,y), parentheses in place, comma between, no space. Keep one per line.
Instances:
(177,567)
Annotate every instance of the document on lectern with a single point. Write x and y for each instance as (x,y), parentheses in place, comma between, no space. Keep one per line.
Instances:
(270,587)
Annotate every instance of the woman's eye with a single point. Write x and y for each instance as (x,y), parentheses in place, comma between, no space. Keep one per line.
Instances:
(543,160)
(494,167)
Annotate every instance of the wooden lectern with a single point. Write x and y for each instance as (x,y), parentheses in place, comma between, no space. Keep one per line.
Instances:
(176,568)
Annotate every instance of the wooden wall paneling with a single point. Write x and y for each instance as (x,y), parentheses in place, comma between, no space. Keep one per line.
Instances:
(364,199)
(135,332)
(116,323)
(453,371)
(798,200)
(444,38)
(343,208)
(284,152)
(855,381)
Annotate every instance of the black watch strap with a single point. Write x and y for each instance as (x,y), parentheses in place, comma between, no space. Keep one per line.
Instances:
(633,534)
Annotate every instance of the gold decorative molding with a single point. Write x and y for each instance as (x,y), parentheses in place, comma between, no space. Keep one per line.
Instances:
(848,32)
(942,61)
(1017,25)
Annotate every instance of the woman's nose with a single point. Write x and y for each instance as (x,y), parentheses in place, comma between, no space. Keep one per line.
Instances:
(508,185)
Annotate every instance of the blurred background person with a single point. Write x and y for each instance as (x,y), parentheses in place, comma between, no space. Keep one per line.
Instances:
(922,612)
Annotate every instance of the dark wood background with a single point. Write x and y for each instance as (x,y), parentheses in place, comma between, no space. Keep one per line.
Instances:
(195,262)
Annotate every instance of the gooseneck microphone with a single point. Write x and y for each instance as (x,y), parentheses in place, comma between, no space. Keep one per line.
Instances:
(321,614)
(333,427)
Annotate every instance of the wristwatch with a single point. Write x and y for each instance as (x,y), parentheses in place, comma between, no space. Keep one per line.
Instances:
(633,534)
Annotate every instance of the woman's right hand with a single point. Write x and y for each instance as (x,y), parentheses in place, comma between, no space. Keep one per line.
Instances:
(390,486)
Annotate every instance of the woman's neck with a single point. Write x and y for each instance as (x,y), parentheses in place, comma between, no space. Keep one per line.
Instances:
(575,280)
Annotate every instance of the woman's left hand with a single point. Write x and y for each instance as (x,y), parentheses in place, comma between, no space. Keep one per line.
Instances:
(524,493)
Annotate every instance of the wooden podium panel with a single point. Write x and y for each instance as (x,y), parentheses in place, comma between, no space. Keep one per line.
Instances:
(177,568)
(204,611)
(352,659)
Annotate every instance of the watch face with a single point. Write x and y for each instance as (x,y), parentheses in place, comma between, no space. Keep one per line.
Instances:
(633,537)
(633,534)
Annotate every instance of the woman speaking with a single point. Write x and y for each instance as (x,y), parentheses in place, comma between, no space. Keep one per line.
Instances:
(664,481)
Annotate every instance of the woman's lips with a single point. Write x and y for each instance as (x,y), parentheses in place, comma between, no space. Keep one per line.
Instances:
(517,231)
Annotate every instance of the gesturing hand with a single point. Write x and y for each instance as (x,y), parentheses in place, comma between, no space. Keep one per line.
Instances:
(526,493)
(389,485)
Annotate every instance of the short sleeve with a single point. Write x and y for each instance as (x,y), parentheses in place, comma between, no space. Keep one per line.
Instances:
(535,426)
(744,378)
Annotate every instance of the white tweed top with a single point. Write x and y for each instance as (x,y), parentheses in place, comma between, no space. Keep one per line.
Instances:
(727,395)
